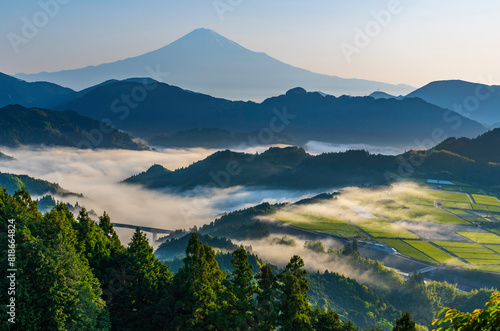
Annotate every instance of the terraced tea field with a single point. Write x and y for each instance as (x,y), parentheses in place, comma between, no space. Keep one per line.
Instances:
(481,237)
(436,227)
(383,229)
(470,252)
(434,252)
(486,200)
(437,215)
(405,249)
(330,226)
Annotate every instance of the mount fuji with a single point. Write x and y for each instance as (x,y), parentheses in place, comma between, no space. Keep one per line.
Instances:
(207,62)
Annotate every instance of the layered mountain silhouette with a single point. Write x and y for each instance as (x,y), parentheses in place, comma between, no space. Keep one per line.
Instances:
(37,94)
(383,95)
(149,108)
(293,168)
(207,62)
(289,167)
(34,126)
(476,101)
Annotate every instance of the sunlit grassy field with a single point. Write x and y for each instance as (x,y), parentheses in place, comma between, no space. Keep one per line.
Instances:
(385,210)
(481,237)
(331,226)
(486,200)
(470,252)
(383,229)
(408,250)
(437,215)
(434,252)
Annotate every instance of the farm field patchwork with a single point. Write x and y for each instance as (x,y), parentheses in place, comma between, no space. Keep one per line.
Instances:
(321,224)
(446,196)
(393,211)
(495,248)
(482,237)
(486,200)
(383,229)
(405,249)
(458,212)
(434,252)
(437,215)
(472,253)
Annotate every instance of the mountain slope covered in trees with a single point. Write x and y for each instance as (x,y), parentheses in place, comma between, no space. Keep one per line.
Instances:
(75,274)
(483,148)
(34,126)
(293,168)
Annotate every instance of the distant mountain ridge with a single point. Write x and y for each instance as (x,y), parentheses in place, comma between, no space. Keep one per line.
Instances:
(303,115)
(479,102)
(207,62)
(37,94)
(34,126)
(174,117)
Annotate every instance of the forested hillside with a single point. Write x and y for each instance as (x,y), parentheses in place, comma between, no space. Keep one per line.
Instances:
(75,274)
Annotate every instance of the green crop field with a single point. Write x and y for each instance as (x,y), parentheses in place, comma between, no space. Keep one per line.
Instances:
(342,233)
(481,237)
(458,212)
(475,206)
(434,252)
(486,200)
(446,196)
(472,253)
(449,204)
(495,248)
(408,250)
(464,205)
(331,226)
(383,229)
(495,209)
(437,215)
(393,211)
(417,201)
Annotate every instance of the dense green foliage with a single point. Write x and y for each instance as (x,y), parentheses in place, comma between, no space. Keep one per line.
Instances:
(74,274)
(241,224)
(35,186)
(172,248)
(487,319)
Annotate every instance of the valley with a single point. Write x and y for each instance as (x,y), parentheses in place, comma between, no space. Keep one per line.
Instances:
(232,165)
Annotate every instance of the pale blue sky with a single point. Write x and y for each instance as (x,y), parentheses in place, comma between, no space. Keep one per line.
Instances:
(424,41)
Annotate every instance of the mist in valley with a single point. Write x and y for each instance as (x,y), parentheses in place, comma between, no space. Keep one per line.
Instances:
(97,175)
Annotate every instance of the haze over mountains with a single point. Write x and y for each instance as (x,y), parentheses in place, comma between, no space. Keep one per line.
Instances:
(293,168)
(479,102)
(303,115)
(37,94)
(207,62)
(170,116)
